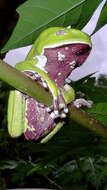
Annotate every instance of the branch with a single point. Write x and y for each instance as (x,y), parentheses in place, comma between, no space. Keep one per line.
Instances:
(21,82)
(26,85)
(84,119)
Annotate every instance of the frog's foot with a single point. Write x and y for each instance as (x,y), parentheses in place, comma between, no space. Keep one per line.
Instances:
(82,102)
(58,109)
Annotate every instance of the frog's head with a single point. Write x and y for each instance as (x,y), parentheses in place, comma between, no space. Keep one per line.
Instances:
(65,50)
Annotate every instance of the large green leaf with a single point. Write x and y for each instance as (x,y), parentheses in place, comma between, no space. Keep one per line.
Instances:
(36,15)
(102,19)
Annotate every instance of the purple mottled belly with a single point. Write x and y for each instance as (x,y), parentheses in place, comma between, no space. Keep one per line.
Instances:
(38,120)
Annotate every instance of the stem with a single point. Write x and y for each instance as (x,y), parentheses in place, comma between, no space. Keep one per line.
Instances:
(84,119)
(23,83)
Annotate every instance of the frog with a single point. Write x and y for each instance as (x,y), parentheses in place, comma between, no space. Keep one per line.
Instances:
(52,58)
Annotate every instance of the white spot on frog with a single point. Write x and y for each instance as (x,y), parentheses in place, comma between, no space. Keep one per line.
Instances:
(61,32)
(56,112)
(63,115)
(66,110)
(48,109)
(61,56)
(66,48)
(44,84)
(52,115)
(72,63)
(59,74)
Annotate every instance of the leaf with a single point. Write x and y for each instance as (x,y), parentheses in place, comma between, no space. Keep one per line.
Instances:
(21,171)
(89,89)
(99,112)
(102,19)
(8,164)
(86,13)
(92,168)
(79,16)
(37,15)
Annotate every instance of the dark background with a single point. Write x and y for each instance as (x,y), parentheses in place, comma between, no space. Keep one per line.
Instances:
(8,19)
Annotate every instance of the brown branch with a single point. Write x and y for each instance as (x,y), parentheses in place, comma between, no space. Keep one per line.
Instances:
(84,119)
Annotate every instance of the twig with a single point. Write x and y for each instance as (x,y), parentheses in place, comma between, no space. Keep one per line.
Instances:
(84,119)
(53,183)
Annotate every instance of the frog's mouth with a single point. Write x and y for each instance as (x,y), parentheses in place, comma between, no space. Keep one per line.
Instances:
(63,59)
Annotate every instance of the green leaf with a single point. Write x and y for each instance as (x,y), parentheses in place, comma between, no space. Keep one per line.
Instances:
(37,15)
(8,164)
(86,13)
(88,88)
(102,19)
(99,112)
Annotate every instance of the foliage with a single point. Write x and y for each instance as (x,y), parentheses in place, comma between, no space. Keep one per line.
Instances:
(75,157)
(48,13)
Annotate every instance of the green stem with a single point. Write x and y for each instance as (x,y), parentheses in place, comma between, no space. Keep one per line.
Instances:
(21,82)
(84,119)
